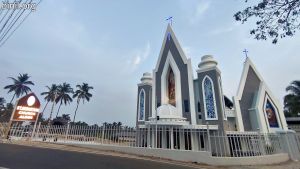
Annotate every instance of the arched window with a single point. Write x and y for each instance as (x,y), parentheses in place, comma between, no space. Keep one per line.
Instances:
(271,114)
(171,87)
(142,105)
(209,99)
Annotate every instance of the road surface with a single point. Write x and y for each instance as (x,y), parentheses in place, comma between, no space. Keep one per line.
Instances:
(25,157)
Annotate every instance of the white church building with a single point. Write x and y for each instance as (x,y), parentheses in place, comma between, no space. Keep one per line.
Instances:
(171,99)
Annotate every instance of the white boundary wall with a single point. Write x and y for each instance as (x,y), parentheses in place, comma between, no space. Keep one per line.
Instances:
(203,157)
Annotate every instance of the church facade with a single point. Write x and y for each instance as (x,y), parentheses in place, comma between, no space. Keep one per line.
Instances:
(171,98)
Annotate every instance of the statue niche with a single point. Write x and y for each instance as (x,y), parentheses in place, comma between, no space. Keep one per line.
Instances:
(171,87)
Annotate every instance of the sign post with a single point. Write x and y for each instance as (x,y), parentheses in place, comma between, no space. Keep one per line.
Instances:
(26,109)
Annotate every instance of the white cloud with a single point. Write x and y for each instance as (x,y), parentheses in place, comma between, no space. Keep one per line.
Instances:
(137,60)
(139,56)
(224,29)
(201,8)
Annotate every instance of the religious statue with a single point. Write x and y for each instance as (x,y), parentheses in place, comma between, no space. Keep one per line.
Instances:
(171,88)
(271,115)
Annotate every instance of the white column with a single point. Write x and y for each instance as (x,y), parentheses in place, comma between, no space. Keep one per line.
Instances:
(163,138)
(172,138)
(148,136)
(153,138)
(195,140)
(182,141)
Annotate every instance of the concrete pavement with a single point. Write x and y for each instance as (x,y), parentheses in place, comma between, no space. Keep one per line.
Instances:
(26,157)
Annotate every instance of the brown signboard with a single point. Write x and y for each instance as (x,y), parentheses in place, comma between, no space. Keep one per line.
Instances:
(27,108)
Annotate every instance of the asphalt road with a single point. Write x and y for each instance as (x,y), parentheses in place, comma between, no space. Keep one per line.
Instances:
(24,157)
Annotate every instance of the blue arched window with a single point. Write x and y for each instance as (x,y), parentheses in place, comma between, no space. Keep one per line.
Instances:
(209,99)
(142,105)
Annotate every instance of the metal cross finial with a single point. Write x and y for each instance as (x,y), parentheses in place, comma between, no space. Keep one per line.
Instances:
(170,19)
(246,52)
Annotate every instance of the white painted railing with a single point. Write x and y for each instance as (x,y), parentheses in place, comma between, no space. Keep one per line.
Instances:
(229,144)
(230,112)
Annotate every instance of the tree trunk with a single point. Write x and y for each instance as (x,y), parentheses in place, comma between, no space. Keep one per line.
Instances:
(45,107)
(12,98)
(42,113)
(75,112)
(51,112)
(58,109)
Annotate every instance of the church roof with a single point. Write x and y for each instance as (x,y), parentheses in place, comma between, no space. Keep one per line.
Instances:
(247,66)
(169,34)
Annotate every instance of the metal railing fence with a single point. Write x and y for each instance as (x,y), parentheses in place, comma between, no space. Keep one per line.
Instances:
(228,144)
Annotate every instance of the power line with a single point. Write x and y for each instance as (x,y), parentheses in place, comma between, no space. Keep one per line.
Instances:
(8,31)
(7,20)
(4,16)
(10,26)
(12,23)
(7,10)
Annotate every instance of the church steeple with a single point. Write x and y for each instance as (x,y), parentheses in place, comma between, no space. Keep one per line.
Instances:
(170,40)
(179,93)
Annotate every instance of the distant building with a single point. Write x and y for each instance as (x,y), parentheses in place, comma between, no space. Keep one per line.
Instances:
(293,123)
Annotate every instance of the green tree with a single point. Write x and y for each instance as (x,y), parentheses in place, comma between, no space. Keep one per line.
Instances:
(274,18)
(79,123)
(50,96)
(228,102)
(61,120)
(82,94)
(292,99)
(6,112)
(114,124)
(2,102)
(19,86)
(119,124)
(63,95)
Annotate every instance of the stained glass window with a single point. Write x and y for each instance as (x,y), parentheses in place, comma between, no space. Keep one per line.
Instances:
(171,88)
(271,115)
(142,106)
(209,99)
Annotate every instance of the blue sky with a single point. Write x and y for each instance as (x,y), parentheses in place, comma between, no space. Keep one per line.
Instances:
(109,44)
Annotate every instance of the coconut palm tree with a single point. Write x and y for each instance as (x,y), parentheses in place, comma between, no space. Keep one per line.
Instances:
(50,97)
(19,86)
(82,94)
(63,95)
(2,101)
(292,100)
(119,124)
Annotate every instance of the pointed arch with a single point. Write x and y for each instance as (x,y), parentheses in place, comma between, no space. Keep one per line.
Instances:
(209,98)
(171,92)
(141,112)
(271,114)
(170,63)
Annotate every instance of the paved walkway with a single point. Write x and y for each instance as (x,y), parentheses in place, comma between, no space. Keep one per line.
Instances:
(66,150)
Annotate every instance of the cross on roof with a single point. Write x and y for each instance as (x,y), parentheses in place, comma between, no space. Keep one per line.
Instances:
(170,19)
(246,52)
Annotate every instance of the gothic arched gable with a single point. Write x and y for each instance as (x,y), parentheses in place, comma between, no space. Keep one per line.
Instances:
(170,48)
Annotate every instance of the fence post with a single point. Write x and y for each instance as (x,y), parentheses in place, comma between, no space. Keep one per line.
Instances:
(38,130)
(208,137)
(288,146)
(148,137)
(261,145)
(67,132)
(102,135)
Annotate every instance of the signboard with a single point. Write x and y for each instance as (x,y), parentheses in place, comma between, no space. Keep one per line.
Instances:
(27,108)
